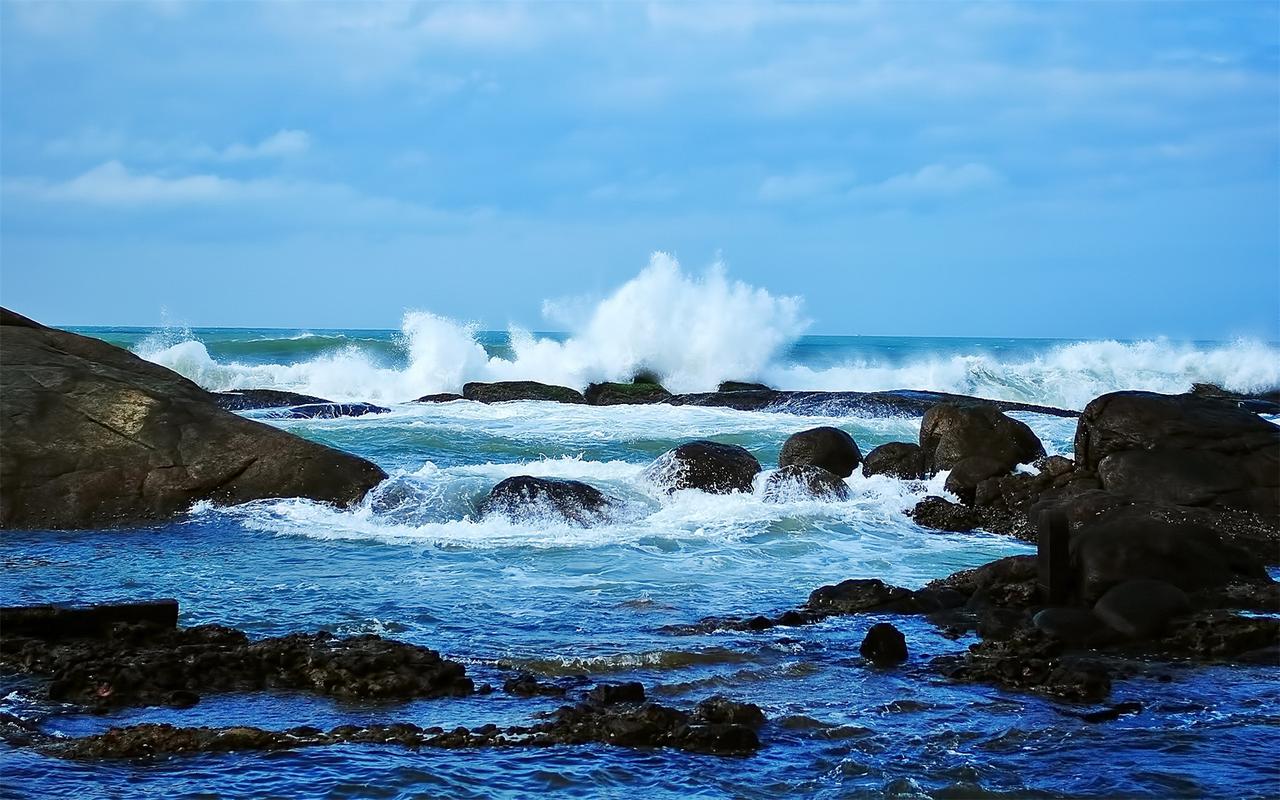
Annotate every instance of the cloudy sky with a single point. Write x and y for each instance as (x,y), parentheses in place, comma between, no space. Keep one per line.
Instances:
(1050,169)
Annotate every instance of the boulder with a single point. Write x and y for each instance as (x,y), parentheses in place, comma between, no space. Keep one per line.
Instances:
(1141,608)
(941,514)
(505,391)
(708,466)
(742,386)
(1182,449)
(95,436)
(442,397)
(617,394)
(952,432)
(969,472)
(829,448)
(573,500)
(884,645)
(902,460)
(1073,626)
(252,399)
(794,481)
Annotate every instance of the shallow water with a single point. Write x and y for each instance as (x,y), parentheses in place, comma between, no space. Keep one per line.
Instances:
(413,562)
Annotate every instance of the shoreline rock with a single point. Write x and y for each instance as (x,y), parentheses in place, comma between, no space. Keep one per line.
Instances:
(507,391)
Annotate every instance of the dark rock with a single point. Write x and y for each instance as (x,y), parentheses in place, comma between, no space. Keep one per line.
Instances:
(1256,403)
(1222,635)
(65,621)
(329,411)
(506,391)
(95,436)
(615,394)
(829,448)
(443,397)
(799,481)
(1073,626)
(1182,449)
(941,514)
(1030,661)
(708,466)
(1010,582)
(1109,713)
(889,404)
(952,432)
(526,685)
(969,472)
(855,595)
(742,386)
(897,459)
(1141,608)
(884,645)
(520,495)
(252,399)
(720,710)
(607,694)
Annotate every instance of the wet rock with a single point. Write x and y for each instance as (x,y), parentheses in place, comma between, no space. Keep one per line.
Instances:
(526,685)
(941,514)
(506,391)
(968,473)
(1109,713)
(95,436)
(803,481)
(1142,608)
(856,595)
(575,501)
(828,448)
(1257,402)
(1030,661)
(884,645)
(742,386)
(69,621)
(329,411)
(720,710)
(442,397)
(950,433)
(252,399)
(635,393)
(1073,626)
(608,694)
(708,466)
(902,460)
(1222,635)
(1009,582)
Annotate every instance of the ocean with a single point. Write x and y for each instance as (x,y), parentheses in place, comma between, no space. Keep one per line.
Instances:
(501,595)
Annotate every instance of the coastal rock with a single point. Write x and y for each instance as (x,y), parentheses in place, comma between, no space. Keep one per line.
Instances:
(951,432)
(884,645)
(1141,608)
(1073,626)
(742,386)
(95,436)
(804,481)
(253,399)
(829,448)
(329,411)
(941,514)
(617,394)
(521,495)
(902,460)
(968,473)
(1257,403)
(442,397)
(505,391)
(1181,449)
(709,466)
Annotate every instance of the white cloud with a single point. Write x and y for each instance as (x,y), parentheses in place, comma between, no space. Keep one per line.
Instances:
(95,142)
(802,184)
(940,179)
(113,184)
(280,144)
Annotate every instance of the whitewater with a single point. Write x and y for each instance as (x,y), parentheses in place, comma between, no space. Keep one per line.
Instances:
(693,331)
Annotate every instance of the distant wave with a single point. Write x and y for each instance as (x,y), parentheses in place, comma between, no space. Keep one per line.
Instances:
(696,332)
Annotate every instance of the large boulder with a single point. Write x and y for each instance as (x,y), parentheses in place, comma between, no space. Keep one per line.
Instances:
(903,460)
(829,448)
(505,391)
(523,494)
(92,436)
(797,482)
(1182,449)
(969,473)
(619,394)
(251,399)
(709,466)
(952,432)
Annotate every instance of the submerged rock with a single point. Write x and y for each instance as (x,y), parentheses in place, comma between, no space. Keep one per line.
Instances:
(95,436)
(950,433)
(804,481)
(884,645)
(896,459)
(635,393)
(442,397)
(329,411)
(253,399)
(506,391)
(828,448)
(573,500)
(941,514)
(708,466)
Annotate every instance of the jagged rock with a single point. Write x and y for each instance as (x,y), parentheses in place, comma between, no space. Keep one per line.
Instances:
(95,436)
(709,466)
(519,495)
(804,481)
(829,448)
(952,432)
(902,460)
(941,514)
(505,391)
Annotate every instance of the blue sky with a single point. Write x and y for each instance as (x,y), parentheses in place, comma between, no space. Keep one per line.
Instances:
(1051,169)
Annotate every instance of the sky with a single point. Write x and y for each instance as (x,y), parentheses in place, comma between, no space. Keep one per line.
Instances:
(1072,170)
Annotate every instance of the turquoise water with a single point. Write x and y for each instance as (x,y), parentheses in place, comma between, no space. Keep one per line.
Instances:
(413,562)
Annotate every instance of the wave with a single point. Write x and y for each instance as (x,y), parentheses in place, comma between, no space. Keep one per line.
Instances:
(694,332)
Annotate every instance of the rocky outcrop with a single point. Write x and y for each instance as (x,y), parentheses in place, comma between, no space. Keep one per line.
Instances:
(708,466)
(952,432)
(742,386)
(442,397)
(253,399)
(634,393)
(793,482)
(828,448)
(1256,402)
(903,460)
(523,495)
(91,435)
(506,391)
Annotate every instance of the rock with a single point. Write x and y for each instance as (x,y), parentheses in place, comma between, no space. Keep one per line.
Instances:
(968,473)
(607,694)
(1009,582)
(95,436)
(1182,449)
(829,448)
(1141,608)
(889,404)
(1107,714)
(897,459)
(1222,635)
(941,514)
(615,394)
(67,621)
(329,411)
(526,685)
(794,481)
(952,432)
(884,645)
(709,466)
(252,399)
(742,386)
(1129,544)
(720,710)
(1073,626)
(506,391)
(521,495)
(443,397)
(1256,403)
(1030,661)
